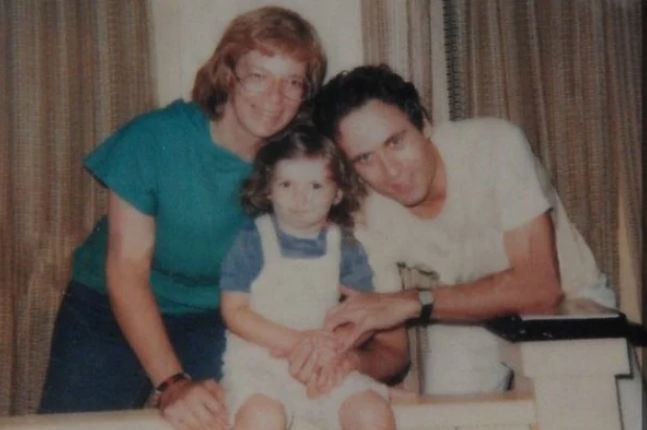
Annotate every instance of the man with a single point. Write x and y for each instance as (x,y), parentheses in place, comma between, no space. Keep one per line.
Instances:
(466,200)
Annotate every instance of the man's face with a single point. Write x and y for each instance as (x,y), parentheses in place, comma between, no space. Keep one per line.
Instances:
(389,152)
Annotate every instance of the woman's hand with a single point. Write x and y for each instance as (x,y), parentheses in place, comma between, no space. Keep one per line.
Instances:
(194,405)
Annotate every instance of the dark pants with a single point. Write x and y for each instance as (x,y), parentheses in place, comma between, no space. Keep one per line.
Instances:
(92,367)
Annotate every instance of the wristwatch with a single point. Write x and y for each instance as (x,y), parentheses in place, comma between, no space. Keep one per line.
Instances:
(426,299)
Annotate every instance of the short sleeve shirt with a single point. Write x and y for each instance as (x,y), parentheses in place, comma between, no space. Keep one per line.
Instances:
(492,187)
(165,164)
(244,262)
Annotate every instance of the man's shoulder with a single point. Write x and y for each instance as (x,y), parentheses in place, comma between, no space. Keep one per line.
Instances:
(478,138)
(475,127)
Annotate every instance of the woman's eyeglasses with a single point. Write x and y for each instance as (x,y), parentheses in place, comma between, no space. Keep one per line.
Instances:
(294,89)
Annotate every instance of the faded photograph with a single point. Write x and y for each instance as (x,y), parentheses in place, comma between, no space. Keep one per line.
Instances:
(292,214)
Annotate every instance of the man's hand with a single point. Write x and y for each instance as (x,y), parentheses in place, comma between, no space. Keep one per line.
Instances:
(366,313)
(194,405)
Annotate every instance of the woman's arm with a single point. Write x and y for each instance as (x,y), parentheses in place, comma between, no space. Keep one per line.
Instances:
(131,241)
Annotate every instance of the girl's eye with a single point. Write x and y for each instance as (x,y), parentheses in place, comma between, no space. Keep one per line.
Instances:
(317,186)
(284,184)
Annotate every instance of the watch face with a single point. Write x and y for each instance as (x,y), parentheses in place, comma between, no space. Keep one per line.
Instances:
(425,297)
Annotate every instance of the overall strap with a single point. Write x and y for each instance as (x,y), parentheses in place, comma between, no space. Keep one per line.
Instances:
(269,237)
(333,241)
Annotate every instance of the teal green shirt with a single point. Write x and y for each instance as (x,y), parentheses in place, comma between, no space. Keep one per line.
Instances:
(165,164)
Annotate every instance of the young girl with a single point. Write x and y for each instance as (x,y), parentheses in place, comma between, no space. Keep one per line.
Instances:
(281,276)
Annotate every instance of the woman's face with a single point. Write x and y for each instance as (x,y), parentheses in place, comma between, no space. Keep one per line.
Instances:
(266,93)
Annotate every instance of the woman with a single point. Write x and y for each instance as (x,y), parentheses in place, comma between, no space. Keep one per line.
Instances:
(141,308)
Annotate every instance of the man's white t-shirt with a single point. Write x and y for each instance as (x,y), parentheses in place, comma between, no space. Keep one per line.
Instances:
(494,184)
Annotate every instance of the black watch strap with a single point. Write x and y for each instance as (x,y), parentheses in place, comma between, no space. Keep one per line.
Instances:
(426,298)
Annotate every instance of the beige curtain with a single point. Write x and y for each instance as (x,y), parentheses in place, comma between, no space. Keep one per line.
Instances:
(70,72)
(398,33)
(569,73)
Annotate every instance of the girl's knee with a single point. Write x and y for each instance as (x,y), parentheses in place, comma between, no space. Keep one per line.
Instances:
(366,410)
(261,412)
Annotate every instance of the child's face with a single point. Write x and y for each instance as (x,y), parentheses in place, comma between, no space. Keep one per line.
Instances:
(302,192)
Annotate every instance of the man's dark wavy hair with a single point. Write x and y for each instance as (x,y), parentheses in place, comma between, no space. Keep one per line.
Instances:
(351,90)
(302,140)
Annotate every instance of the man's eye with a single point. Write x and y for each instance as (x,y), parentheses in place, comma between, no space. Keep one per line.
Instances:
(364,159)
(396,142)
(284,184)
(316,186)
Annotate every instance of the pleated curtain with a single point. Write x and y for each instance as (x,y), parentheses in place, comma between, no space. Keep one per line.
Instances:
(70,72)
(569,73)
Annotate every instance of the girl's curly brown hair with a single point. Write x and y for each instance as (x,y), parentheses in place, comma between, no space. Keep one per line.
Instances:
(302,140)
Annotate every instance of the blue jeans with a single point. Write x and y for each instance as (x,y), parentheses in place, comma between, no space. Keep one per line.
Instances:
(92,367)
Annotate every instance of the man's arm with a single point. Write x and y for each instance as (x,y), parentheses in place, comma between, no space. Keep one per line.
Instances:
(531,284)
(385,356)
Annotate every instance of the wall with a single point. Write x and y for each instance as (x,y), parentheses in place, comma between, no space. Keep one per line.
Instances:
(185,34)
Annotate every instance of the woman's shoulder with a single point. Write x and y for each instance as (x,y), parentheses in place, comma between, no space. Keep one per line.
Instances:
(178,112)
(159,128)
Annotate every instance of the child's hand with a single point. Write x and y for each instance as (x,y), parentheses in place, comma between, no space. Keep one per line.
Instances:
(311,351)
(331,374)
(326,347)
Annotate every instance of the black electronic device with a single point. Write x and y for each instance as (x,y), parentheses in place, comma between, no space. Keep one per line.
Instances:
(574,319)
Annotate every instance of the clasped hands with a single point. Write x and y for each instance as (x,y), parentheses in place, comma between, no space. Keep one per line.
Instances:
(321,359)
